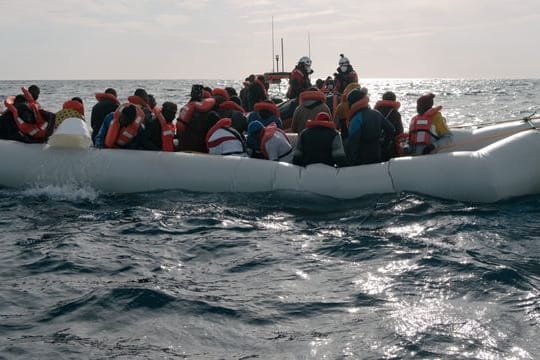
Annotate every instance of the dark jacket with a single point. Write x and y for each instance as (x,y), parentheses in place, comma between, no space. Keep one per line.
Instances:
(239,120)
(319,145)
(394,116)
(99,112)
(194,136)
(10,131)
(256,93)
(367,129)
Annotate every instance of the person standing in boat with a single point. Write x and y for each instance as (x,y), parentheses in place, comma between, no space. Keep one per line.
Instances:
(299,79)
(428,130)
(389,108)
(345,75)
(257,92)
(160,131)
(366,127)
(311,102)
(244,91)
(342,111)
(270,143)
(320,142)
(107,102)
(195,119)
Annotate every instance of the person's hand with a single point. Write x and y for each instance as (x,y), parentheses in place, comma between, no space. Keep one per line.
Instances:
(429,148)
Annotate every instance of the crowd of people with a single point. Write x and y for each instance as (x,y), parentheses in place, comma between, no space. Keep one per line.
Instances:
(343,132)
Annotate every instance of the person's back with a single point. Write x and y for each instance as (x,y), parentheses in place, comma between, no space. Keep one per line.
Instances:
(342,111)
(25,121)
(159,131)
(223,139)
(389,108)
(311,103)
(257,92)
(107,103)
(275,144)
(366,127)
(319,142)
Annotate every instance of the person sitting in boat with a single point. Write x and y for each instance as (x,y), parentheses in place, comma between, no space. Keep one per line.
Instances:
(231,108)
(345,75)
(266,112)
(124,129)
(310,103)
(141,99)
(34,91)
(24,121)
(428,130)
(299,79)
(107,102)
(342,111)
(320,142)
(223,139)
(257,92)
(329,85)
(366,127)
(73,108)
(389,108)
(270,143)
(195,119)
(160,131)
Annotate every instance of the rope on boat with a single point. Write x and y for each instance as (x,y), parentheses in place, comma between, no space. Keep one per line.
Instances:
(527,118)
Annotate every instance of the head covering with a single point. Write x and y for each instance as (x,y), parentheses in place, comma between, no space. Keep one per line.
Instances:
(350,87)
(424,103)
(356,95)
(255,126)
(389,95)
(343,60)
(322,116)
(129,113)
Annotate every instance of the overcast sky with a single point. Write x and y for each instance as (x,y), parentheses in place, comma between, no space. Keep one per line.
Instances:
(229,39)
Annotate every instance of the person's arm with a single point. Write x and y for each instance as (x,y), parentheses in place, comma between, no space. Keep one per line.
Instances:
(446,136)
(100,137)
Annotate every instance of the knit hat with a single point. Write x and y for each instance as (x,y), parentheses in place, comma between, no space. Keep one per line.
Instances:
(424,103)
(389,95)
(255,126)
(356,95)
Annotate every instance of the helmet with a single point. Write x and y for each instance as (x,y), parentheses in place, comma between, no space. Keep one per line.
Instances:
(343,60)
(305,60)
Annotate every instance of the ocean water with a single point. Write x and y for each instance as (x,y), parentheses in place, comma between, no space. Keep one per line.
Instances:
(180,275)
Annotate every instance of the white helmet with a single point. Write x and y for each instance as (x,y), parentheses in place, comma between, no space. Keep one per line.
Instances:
(305,60)
(343,60)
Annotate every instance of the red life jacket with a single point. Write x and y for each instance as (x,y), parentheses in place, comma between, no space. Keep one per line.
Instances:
(221,92)
(264,105)
(105,96)
(357,106)
(420,127)
(34,131)
(231,105)
(187,111)
(298,76)
(167,131)
(121,136)
(312,95)
(136,100)
(268,133)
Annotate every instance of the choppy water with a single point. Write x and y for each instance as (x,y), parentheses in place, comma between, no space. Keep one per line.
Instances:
(174,275)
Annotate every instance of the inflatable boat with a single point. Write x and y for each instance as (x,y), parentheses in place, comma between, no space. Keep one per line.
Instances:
(485,164)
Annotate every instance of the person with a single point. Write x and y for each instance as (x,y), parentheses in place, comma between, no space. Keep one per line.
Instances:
(34,91)
(73,108)
(107,102)
(320,85)
(124,129)
(341,111)
(24,121)
(160,131)
(366,126)
(244,91)
(345,75)
(329,85)
(311,102)
(389,108)
(141,99)
(299,79)
(233,109)
(269,143)
(257,92)
(195,119)
(428,130)
(223,139)
(266,112)
(151,102)
(320,142)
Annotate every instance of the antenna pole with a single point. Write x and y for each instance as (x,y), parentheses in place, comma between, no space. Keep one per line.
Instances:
(309,44)
(273,43)
(282,57)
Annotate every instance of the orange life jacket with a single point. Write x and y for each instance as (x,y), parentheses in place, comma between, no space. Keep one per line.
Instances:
(167,131)
(312,95)
(269,131)
(35,131)
(420,127)
(393,104)
(356,107)
(136,100)
(221,92)
(264,105)
(74,105)
(231,105)
(105,96)
(187,111)
(320,123)
(121,136)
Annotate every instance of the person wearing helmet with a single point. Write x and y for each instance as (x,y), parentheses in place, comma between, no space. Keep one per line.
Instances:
(299,78)
(345,75)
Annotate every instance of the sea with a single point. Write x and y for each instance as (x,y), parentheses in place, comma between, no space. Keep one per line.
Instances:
(182,275)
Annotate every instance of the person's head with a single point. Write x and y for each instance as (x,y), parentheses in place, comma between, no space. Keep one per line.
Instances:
(389,95)
(424,103)
(77,99)
(142,94)
(34,91)
(196,92)
(231,91)
(305,62)
(343,63)
(111,91)
(255,128)
(356,95)
(151,101)
(128,115)
(20,99)
(329,83)
(169,109)
(251,78)
(319,83)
